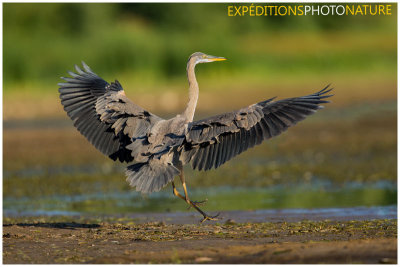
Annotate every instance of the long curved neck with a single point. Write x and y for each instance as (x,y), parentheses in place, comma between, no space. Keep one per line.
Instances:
(193,91)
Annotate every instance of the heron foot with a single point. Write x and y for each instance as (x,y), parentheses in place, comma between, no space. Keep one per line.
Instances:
(210,218)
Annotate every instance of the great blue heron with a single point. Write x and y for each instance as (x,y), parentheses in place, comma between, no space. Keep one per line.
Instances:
(122,130)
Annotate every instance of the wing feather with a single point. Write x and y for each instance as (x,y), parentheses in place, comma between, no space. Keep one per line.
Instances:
(212,160)
(221,152)
(95,106)
(205,154)
(211,142)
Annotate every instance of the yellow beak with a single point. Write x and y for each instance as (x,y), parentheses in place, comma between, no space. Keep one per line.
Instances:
(217,59)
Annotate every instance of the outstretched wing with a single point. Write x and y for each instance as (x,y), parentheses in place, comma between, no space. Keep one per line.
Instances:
(212,141)
(103,114)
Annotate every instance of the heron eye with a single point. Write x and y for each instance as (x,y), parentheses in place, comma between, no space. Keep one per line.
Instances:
(204,56)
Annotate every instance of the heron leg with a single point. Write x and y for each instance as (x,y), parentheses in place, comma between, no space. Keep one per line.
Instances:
(176,192)
(198,203)
(192,204)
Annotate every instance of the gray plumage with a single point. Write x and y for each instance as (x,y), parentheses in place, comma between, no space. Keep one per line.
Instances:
(157,148)
(211,142)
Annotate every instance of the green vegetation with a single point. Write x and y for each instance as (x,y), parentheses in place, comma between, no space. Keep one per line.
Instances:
(146,45)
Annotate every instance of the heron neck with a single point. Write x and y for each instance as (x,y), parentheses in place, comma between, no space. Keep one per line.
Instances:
(193,92)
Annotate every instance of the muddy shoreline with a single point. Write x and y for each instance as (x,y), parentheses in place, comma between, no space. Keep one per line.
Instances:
(79,240)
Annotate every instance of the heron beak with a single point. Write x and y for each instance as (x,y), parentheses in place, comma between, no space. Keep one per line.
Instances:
(213,58)
(218,59)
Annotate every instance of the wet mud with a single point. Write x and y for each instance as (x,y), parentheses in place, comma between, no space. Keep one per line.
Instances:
(120,240)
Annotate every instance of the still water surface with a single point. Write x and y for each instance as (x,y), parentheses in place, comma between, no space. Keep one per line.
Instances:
(319,194)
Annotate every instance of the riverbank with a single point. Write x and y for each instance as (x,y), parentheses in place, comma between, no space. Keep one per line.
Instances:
(121,240)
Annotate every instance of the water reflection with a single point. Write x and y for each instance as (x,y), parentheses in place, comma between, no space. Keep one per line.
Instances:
(320,194)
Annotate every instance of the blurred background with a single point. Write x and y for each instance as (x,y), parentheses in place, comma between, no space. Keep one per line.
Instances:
(343,156)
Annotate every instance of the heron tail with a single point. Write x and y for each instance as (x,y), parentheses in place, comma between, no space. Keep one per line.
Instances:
(150,177)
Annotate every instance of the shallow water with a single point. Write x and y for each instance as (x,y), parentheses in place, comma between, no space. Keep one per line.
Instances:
(237,216)
(349,162)
(320,194)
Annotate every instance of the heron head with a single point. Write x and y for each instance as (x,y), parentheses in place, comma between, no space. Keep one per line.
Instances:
(203,58)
